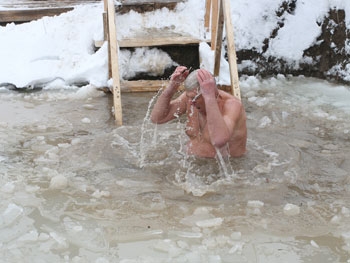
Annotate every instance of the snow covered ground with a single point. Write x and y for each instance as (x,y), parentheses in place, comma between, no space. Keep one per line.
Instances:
(60,50)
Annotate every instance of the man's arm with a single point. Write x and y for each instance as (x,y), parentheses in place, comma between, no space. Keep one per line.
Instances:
(166,109)
(220,126)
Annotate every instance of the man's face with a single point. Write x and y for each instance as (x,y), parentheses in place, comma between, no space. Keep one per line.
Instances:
(196,98)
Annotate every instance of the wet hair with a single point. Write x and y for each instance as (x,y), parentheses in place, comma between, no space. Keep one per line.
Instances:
(191,82)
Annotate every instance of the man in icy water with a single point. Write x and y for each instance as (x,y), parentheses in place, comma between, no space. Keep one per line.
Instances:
(216,120)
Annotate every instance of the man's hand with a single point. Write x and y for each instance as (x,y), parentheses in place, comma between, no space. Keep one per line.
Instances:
(207,83)
(179,76)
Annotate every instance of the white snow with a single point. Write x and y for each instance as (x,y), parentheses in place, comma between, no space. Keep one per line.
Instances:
(60,49)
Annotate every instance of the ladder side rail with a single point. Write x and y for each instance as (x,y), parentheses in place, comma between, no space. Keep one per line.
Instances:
(207,15)
(113,47)
(218,48)
(231,50)
(214,22)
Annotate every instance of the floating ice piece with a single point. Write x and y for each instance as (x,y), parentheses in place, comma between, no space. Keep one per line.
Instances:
(61,241)
(201,210)
(210,222)
(43,237)
(58,182)
(314,244)
(11,213)
(32,236)
(32,188)
(99,194)
(236,235)
(164,245)
(9,187)
(75,141)
(255,204)
(346,236)
(86,120)
(264,122)
(88,106)
(64,145)
(335,219)
(345,211)
(185,234)
(291,210)
(237,248)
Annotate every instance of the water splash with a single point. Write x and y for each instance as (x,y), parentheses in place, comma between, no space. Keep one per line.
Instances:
(146,131)
(224,163)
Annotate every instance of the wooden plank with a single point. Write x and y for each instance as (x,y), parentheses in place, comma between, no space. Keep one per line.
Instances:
(143,2)
(105,26)
(28,10)
(219,40)
(140,6)
(152,86)
(158,41)
(154,42)
(207,14)
(143,85)
(214,22)
(134,86)
(231,50)
(25,15)
(21,4)
(113,47)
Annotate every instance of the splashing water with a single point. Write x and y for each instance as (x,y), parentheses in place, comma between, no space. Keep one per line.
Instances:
(146,131)
(189,172)
(224,164)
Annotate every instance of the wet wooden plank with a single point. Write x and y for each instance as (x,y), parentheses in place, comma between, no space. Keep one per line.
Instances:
(30,14)
(158,41)
(28,10)
(36,4)
(142,6)
(143,85)
(231,50)
(153,86)
(114,62)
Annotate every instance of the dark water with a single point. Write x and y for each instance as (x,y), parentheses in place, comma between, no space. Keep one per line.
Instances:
(76,188)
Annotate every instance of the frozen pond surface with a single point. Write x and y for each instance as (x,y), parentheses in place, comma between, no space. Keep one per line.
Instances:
(76,188)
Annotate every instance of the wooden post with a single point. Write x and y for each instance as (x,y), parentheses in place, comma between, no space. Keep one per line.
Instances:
(207,14)
(218,48)
(105,27)
(105,5)
(105,34)
(214,22)
(231,50)
(113,47)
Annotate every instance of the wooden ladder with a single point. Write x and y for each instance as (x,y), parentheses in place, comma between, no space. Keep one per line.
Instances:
(217,13)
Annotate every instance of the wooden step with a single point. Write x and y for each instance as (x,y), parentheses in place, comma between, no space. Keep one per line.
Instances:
(27,10)
(153,86)
(158,41)
(24,4)
(143,85)
(155,41)
(145,5)
(151,37)
(26,15)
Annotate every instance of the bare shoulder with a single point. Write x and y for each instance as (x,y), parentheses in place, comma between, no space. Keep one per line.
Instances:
(182,99)
(180,103)
(231,102)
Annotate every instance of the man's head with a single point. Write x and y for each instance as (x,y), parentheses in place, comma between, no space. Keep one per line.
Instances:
(192,87)
(191,82)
